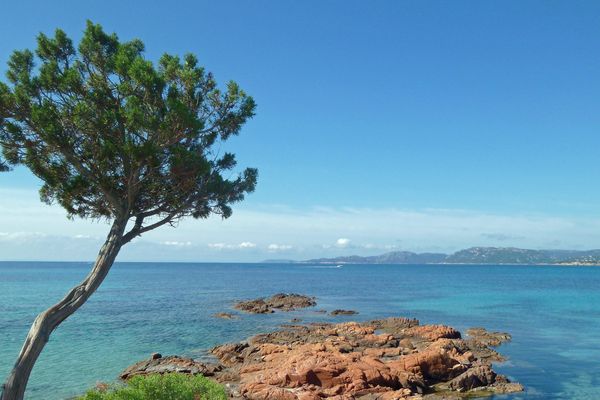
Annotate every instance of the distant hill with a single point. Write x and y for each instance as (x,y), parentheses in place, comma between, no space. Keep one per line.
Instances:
(279,261)
(394,257)
(512,255)
(473,255)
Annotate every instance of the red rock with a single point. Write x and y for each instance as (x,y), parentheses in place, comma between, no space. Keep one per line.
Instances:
(475,377)
(280,301)
(487,338)
(353,360)
(434,332)
(431,364)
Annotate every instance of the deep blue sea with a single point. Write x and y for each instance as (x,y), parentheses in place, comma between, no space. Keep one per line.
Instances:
(552,312)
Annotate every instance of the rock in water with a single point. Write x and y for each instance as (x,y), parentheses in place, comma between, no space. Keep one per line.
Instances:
(343,312)
(488,338)
(387,359)
(280,301)
(224,315)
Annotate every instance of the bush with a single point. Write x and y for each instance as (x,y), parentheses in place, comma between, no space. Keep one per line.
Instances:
(161,387)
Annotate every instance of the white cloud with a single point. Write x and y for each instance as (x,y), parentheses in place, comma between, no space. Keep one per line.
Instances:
(273,247)
(342,242)
(30,229)
(176,244)
(80,236)
(221,246)
(388,247)
(21,236)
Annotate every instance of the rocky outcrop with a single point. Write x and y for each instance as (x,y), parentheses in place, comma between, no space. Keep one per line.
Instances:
(394,358)
(480,342)
(280,301)
(488,338)
(385,359)
(433,332)
(162,365)
(481,375)
(393,324)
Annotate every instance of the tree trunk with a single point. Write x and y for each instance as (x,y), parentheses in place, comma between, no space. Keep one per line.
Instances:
(47,321)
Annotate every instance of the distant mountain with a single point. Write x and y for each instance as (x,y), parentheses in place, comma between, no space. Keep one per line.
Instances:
(279,261)
(394,257)
(474,255)
(512,255)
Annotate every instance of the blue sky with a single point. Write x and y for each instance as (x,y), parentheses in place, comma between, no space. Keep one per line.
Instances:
(381,125)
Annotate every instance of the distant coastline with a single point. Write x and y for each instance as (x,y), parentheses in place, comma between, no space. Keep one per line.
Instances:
(473,255)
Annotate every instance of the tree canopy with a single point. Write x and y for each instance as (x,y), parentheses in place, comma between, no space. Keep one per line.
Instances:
(112,135)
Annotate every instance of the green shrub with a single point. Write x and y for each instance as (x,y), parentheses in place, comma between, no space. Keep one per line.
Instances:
(161,387)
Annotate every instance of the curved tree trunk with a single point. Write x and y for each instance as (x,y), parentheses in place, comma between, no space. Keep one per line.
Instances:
(47,321)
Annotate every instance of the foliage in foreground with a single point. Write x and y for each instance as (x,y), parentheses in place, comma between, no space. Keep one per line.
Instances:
(162,387)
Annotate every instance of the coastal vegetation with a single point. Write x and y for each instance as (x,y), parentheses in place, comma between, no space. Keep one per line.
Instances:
(173,386)
(116,137)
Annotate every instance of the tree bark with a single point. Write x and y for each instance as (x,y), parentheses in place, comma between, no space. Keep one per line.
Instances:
(47,321)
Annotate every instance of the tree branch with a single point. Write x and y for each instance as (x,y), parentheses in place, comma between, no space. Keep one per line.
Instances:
(138,229)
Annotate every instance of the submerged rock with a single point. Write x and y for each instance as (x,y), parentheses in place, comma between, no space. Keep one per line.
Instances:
(343,312)
(224,315)
(280,301)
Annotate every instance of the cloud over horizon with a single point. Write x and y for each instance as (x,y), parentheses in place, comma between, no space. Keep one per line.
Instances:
(30,230)
(222,246)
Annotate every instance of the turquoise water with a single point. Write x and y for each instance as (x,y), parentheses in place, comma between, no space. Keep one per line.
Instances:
(553,314)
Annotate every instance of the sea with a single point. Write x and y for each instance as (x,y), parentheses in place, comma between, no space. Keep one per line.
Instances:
(552,312)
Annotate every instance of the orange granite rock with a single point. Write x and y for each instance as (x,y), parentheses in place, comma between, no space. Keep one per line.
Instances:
(353,360)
